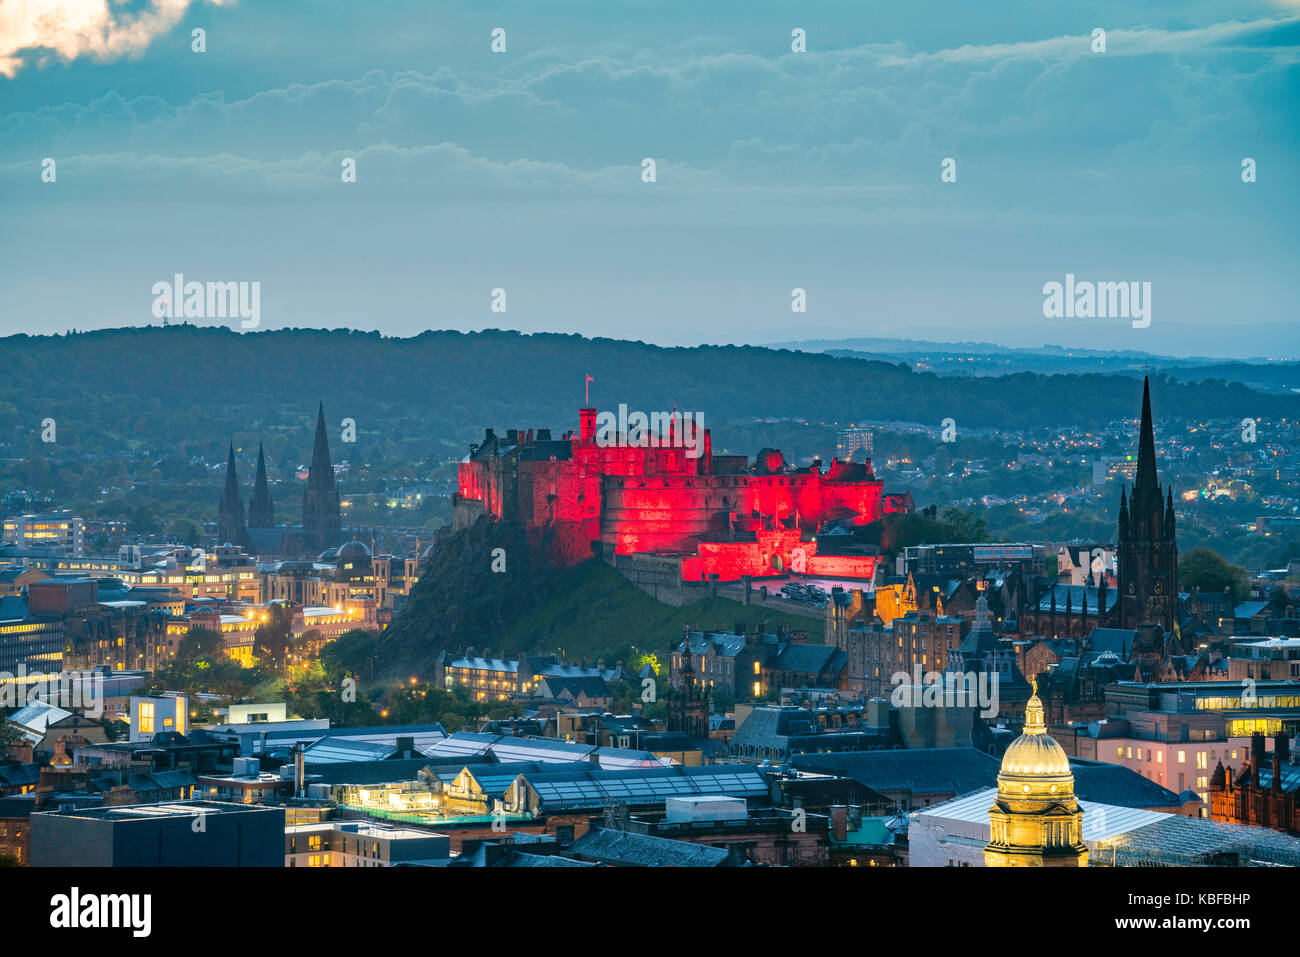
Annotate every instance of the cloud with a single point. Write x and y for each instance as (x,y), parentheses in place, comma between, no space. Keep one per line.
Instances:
(841,118)
(1253,35)
(77,28)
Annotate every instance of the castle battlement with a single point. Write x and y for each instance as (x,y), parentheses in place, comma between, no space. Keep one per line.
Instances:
(725,515)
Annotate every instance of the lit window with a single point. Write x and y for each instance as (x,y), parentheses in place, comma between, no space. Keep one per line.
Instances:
(145,720)
(1182,757)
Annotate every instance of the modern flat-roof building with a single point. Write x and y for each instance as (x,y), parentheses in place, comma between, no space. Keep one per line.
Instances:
(1176,733)
(154,714)
(179,834)
(1264,659)
(28,642)
(225,573)
(955,558)
(361,844)
(62,531)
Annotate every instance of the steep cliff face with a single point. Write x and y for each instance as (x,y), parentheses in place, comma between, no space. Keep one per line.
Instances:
(478,582)
(589,611)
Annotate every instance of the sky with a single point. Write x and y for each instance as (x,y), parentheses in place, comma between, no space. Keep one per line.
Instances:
(775,170)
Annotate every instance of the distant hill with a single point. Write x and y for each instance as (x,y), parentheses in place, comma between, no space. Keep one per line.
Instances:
(877,344)
(983,359)
(186,388)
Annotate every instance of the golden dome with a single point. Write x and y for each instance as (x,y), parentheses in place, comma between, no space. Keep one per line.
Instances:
(1035,754)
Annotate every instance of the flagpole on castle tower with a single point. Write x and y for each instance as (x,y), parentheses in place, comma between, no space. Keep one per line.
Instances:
(587,398)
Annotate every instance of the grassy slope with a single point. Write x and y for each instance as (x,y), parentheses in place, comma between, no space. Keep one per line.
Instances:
(597,611)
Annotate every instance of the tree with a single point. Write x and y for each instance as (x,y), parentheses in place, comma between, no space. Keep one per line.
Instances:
(199,643)
(351,654)
(142,521)
(1205,569)
(1281,600)
(271,641)
(8,735)
(965,526)
(185,531)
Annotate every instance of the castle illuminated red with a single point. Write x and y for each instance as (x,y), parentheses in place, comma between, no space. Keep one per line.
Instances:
(722,514)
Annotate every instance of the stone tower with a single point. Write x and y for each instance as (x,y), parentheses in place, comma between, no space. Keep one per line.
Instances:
(687,708)
(1147,554)
(230,514)
(321,522)
(261,513)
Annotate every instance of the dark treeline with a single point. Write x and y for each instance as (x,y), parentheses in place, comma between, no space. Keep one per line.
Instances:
(182,386)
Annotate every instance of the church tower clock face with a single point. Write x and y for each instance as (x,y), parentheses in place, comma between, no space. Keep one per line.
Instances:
(1131,588)
(1159,588)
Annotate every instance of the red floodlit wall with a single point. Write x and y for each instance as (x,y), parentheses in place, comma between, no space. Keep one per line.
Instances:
(774,552)
(842,566)
(659,499)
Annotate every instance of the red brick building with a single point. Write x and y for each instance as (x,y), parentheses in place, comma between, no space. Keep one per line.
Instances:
(1266,792)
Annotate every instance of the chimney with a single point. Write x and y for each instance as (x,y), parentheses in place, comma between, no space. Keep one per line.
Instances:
(1256,755)
(839,823)
(406,747)
(299,770)
(1282,745)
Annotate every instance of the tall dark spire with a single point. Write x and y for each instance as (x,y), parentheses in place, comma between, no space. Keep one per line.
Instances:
(320,501)
(1146,468)
(230,514)
(261,513)
(320,450)
(1148,552)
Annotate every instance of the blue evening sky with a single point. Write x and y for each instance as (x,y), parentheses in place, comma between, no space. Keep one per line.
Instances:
(776,169)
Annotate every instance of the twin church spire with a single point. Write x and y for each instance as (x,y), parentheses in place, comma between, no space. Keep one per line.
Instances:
(321,519)
(231,526)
